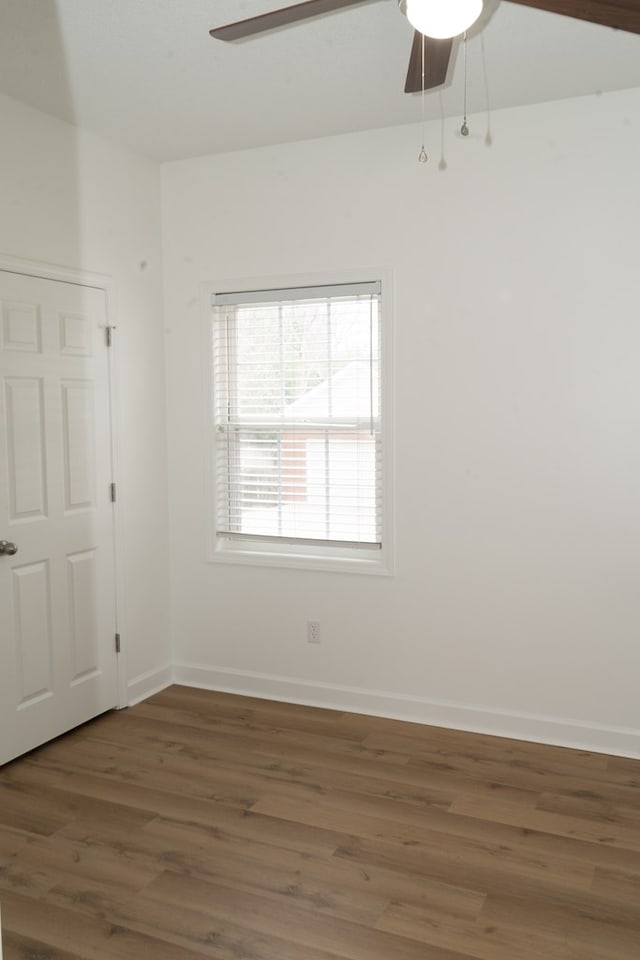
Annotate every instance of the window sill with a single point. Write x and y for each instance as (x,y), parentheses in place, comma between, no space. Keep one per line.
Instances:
(330,559)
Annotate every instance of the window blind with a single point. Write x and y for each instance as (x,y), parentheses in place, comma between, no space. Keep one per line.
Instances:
(297,418)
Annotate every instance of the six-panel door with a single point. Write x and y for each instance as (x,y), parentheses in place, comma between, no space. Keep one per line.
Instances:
(57,590)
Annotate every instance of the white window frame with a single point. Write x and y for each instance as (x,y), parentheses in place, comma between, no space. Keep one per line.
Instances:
(308,556)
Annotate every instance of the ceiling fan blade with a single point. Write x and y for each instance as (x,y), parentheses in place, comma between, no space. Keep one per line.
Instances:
(280,18)
(436,63)
(621,14)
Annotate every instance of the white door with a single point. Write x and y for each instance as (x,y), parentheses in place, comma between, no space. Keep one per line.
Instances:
(58,665)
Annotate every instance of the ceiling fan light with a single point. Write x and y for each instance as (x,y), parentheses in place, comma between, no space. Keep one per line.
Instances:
(441,19)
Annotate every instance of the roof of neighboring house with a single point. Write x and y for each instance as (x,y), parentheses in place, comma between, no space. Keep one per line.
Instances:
(347,394)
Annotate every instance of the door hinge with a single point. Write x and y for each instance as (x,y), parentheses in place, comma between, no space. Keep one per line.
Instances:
(108,334)
(112,492)
(117,643)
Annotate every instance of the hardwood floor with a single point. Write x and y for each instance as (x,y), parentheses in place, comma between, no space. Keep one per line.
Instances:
(199,824)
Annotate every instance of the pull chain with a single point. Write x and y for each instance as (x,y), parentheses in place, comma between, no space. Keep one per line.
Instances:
(464,129)
(443,163)
(422,156)
(488,138)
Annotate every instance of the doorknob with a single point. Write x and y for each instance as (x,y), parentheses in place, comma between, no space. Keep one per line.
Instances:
(7,548)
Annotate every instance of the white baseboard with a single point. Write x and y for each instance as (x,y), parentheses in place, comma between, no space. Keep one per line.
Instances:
(146,684)
(619,741)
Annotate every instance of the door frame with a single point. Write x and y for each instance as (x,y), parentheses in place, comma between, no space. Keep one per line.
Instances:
(104,282)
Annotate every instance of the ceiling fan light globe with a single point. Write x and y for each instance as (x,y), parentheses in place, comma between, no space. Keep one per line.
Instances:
(442,19)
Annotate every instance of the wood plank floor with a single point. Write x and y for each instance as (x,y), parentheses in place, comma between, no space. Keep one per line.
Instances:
(199,824)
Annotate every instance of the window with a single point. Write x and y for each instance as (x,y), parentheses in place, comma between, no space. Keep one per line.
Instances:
(297,430)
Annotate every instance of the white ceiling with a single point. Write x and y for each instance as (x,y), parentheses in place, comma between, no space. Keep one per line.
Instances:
(145,73)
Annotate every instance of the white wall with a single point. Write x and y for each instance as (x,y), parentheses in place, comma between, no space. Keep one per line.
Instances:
(70,198)
(515,605)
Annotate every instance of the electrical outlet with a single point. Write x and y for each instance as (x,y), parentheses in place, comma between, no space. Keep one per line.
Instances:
(313,631)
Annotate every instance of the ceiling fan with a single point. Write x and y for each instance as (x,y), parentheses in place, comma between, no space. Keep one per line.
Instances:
(620,14)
